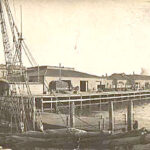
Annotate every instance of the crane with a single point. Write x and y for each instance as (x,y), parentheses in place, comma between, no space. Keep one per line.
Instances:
(14,45)
(13,54)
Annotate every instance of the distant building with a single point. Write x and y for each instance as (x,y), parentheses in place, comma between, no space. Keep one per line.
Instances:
(141,81)
(122,81)
(106,82)
(47,74)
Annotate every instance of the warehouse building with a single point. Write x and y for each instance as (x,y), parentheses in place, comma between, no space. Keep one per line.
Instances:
(47,74)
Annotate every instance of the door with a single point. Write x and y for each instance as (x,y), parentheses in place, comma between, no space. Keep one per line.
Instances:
(83,86)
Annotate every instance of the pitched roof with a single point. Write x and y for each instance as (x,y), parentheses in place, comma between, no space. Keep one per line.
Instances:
(118,76)
(56,73)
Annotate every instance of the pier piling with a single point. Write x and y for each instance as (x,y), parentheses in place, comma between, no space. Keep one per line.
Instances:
(72,114)
(111,116)
(130,116)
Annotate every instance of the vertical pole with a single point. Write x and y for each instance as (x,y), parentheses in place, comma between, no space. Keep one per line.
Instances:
(34,109)
(38,74)
(100,105)
(56,105)
(99,125)
(60,71)
(11,123)
(72,114)
(125,119)
(130,115)
(51,105)
(67,123)
(103,123)
(81,104)
(111,116)
(42,105)
(43,84)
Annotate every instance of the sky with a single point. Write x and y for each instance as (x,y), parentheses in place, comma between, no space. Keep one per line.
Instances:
(93,36)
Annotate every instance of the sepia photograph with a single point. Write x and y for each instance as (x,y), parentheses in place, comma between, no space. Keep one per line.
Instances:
(74,75)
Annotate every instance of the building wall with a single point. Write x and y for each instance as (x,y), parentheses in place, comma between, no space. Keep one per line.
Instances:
(92,82)
(108,83)
(121,83)
(142,83)
(35,88)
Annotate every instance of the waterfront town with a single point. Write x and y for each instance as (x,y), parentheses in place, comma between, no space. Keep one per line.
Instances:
(46,107)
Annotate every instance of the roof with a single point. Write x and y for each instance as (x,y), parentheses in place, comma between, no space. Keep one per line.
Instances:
(118,76)
(139,77)
(50,67)
(122,76)
(56,73)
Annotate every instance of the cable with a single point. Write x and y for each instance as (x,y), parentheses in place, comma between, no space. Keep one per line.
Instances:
(32,58)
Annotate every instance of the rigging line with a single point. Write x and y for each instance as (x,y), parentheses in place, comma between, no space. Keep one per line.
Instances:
(85,122)
(14,8)
(27,55)
(23,108)
(29,52)
(60,114)
(80,118)
(76,117)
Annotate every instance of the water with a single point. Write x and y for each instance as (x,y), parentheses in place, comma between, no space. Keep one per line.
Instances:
(141,114)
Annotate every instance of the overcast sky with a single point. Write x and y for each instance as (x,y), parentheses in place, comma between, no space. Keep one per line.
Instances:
(110,36)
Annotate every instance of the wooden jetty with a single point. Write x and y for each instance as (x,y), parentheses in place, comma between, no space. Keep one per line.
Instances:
(49,102)
(23,108)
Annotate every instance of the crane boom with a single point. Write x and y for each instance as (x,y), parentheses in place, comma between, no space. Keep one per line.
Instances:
(5,38)
(17,37)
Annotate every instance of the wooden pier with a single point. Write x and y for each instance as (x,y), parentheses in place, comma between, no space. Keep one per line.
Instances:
(26,108)
(48,102)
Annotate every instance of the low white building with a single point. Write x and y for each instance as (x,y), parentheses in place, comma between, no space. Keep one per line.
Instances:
(47,74)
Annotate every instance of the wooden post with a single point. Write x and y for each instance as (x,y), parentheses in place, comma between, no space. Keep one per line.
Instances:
(67,121)
(111,116)
(81,104)
(56,106)
(130,115)
(72,114)
(125,119)
(103,123)
(100,105)
(34,111)
(51,105)
(42,105)
(11,123)
(99,125)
